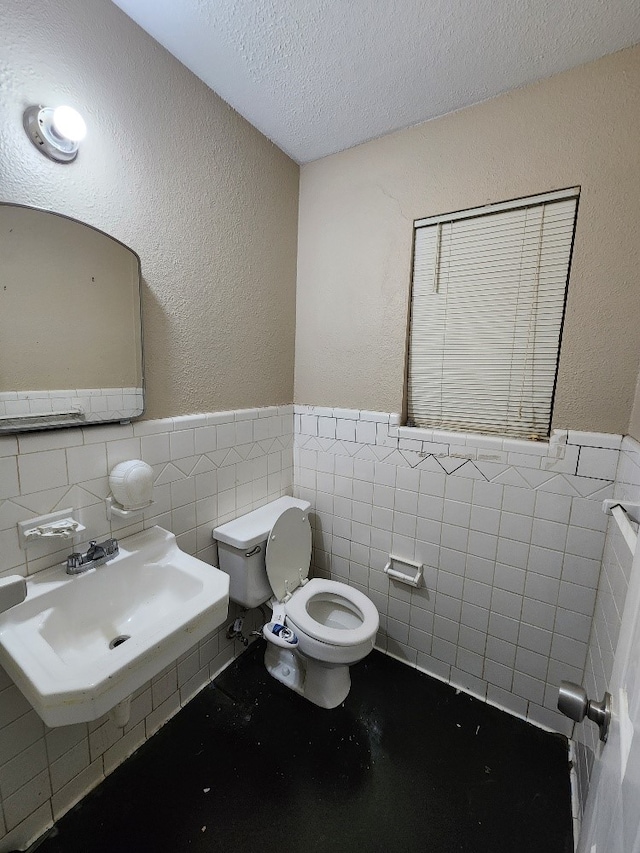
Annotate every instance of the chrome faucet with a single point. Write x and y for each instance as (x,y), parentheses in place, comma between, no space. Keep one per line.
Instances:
(97,554)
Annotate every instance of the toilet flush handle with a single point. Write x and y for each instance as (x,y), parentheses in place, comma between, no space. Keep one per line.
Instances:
(253,551)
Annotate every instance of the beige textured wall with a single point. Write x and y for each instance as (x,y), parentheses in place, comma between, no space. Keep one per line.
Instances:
(208,203)
(355,231)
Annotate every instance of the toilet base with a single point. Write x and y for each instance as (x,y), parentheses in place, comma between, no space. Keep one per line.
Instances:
(325,685)
(285,666)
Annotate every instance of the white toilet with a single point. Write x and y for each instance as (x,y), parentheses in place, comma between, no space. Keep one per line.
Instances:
(267,553)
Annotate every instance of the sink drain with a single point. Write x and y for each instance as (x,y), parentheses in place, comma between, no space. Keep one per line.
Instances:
(118,641)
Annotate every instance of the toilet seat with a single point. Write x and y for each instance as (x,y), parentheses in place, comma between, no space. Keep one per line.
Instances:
(288,553)
(297,609)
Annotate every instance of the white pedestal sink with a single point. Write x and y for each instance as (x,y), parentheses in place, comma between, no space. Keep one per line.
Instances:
(79,645)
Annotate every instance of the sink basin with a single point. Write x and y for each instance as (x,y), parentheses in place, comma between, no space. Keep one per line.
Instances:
(79,645)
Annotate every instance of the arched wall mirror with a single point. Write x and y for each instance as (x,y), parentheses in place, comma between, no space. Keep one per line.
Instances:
(70,323)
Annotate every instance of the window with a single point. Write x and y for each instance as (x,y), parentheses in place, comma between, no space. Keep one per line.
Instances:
(487,305)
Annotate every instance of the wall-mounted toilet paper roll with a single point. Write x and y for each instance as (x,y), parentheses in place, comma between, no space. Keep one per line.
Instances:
(131,484)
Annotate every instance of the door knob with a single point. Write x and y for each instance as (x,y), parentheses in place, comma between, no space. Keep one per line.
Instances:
(573,702)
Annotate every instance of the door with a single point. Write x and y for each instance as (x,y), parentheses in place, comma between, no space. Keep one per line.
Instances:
(611,822)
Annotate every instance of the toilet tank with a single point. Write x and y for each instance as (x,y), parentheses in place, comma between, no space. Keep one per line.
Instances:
(241,550)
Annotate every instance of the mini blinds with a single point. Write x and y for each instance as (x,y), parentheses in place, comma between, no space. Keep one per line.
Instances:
(487,306)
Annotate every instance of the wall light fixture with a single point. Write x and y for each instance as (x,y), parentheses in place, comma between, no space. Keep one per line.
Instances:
(55,132)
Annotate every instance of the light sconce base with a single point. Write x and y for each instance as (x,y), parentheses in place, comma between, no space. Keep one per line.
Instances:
(39,125)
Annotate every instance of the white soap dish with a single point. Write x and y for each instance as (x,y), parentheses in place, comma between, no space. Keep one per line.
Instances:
(45,528)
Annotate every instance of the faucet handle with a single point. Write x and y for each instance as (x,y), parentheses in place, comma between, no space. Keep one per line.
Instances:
(91,550)
(74,561)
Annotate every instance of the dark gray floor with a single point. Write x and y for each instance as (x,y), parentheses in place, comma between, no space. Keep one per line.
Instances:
(404,764)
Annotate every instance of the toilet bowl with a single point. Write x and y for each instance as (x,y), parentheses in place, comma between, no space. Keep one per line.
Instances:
(328,625)
(333,621)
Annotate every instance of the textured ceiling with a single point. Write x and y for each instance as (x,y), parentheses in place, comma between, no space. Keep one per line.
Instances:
(319,76)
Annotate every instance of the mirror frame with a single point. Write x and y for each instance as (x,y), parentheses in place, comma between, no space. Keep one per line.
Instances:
(29,423)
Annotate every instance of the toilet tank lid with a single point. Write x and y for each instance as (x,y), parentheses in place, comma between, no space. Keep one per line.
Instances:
(254,527)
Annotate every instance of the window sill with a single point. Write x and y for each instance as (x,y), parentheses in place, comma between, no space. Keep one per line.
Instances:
(488,448)
(324,427)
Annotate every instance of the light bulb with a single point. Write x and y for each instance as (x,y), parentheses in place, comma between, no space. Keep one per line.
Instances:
(69,124)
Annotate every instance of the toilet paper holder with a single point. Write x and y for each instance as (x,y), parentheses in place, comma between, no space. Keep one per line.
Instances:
(396,569)
(131,484)
(114,508)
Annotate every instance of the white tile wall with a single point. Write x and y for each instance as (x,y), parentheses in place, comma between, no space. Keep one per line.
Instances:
(511,535)
(208,468)
(510,532)
(609,606)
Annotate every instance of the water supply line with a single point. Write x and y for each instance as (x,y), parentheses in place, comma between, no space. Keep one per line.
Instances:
(234,631)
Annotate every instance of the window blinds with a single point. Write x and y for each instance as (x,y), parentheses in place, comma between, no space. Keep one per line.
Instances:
(487,307)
